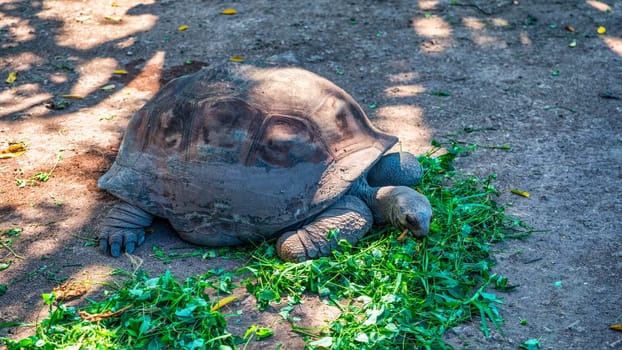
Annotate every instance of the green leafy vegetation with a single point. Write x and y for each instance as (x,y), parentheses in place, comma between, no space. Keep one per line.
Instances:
(392,293)
(145,313)
(6,242)
(38,177)
(405,294)
(531,344)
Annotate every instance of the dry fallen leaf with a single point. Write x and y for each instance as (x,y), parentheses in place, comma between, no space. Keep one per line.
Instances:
(521,193)
(569,28)
(115,19)
(236,59)
(222,302)
(229,11)
(108,87)
(10,79)
(73,96)
(119,71)
(601,30)
(84,18)
(12,151)
(402,236)
(616,327)
(104,315)
(182,27)
(69,290)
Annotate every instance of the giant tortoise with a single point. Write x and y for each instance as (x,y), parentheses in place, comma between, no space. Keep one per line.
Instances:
(243,153)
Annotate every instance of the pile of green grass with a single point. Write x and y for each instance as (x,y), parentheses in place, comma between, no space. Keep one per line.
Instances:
(153,313)
(405,294)
(392,293)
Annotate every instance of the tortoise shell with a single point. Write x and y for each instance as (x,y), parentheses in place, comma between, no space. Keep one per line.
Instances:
(239,152)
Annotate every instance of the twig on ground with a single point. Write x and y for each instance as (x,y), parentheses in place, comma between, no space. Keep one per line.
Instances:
(7,247)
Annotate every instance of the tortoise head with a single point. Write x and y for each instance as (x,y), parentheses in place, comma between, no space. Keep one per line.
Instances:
(404,208)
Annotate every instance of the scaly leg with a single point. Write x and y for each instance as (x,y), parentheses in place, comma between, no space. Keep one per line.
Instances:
(350,215)
(124,229)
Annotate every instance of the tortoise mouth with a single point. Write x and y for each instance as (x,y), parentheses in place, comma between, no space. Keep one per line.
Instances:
(411,223)
(416,225)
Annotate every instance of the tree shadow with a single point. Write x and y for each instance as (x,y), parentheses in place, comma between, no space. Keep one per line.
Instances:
(57,221)
(59,72)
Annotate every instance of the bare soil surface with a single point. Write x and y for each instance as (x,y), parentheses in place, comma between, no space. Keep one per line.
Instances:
(536,75)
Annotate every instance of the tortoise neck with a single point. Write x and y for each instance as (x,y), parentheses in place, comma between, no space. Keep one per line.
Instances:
(364,191)
(379,199)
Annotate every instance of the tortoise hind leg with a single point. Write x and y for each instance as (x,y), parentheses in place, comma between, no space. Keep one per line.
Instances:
(124,229)
(350,215)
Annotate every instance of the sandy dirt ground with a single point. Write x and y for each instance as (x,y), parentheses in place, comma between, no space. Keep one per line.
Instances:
(535,75)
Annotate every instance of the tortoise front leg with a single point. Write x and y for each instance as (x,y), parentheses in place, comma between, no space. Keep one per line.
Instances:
(350,216)
(124,228)
(396,169)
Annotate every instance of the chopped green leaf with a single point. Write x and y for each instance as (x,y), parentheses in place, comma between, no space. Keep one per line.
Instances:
(531,344)
(263,332)
(332,234)
(361,338)
(5,265)
(15,231)
(325,342)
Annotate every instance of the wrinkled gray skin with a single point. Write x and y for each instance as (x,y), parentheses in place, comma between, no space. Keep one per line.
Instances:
(391,201)
(362,206)
(242,153)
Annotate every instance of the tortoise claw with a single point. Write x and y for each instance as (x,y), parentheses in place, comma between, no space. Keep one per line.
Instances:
(115,249)
(130,247)
(111,242)
(124,229)
(120,240)
(103,245)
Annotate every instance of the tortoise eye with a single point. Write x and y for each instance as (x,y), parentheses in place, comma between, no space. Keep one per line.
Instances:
(287,141)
